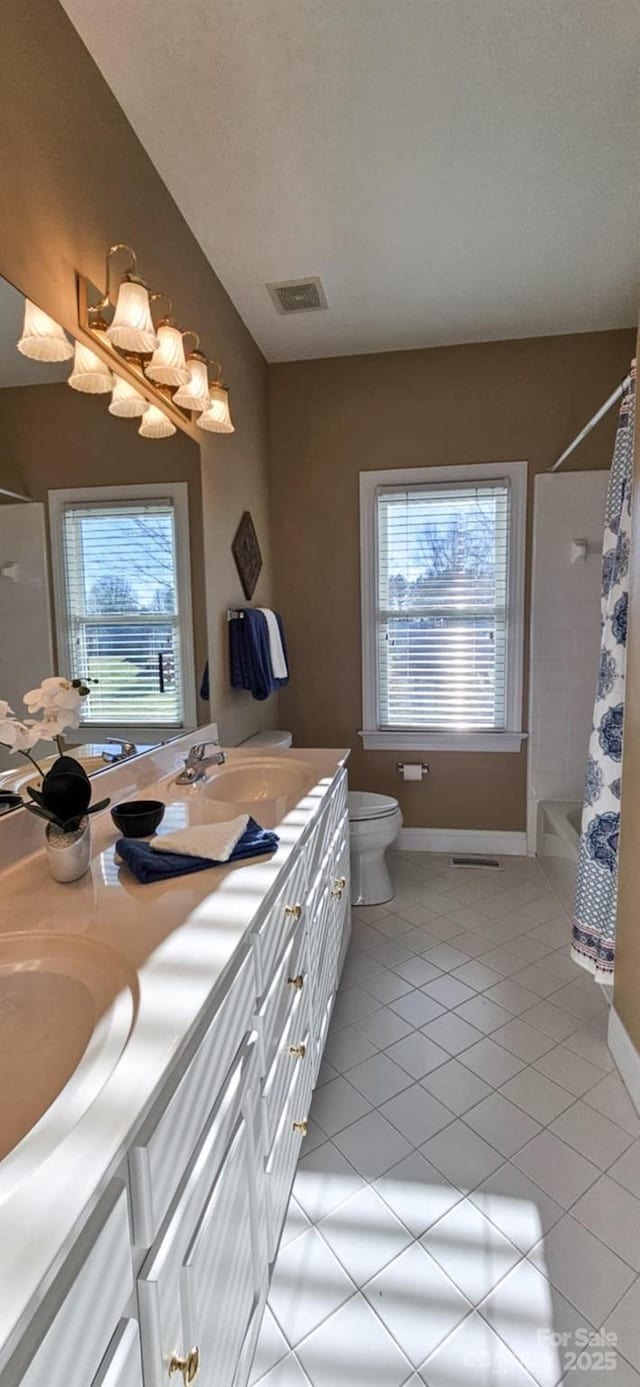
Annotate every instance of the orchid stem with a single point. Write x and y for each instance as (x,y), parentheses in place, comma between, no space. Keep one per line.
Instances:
(60,745)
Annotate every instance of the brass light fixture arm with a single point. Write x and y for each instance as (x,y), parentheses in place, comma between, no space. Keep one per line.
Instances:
(118,245)
(189,332)
(153,298)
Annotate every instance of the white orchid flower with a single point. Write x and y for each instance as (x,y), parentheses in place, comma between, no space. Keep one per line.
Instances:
(54,693)
(19,736)
(5,710)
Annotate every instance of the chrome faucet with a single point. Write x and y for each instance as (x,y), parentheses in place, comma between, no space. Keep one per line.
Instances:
(197,761)
(126,749)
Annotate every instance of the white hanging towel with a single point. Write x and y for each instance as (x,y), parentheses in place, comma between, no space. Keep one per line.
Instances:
(216,841)
(278,662)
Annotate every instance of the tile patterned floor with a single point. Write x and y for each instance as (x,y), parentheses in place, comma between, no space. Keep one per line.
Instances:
(469,1191)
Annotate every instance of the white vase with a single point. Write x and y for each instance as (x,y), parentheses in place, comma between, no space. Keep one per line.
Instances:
(69,854)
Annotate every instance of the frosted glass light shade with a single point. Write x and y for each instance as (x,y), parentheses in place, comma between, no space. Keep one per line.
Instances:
(217,418)
(155,424)
(126,401)
(88,373)
(42,338)
(167,364)
(132,328)
(195,394)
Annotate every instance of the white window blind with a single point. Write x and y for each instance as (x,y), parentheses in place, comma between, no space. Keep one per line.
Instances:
(122,610)
(442,605)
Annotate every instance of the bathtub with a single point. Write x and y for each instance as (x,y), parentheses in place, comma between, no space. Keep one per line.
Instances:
(558,839)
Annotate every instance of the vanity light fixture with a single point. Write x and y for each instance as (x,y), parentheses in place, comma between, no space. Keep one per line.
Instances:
(131,328)
(155,424)
(88,373)
(42,338)
(194,394)
(168,365)
(126,401)
(216,418)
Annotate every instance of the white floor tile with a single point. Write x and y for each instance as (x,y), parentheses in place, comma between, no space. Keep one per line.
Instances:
(486,1016)
(473,1354)
(391,951)
(520,1209)
(569,1069)
(417,1302)
(627,1170)
(371,913)
(383,1027)
(325,1072)
(295,1223)
(352,1004)
(537,1095)
(590,1042)
(502,1124)
(417,1192)
(314,1137)
(551,1019)
(353,1349)
(452,1032)
(625,1324)
(464,1157)
(586,1272)
(528,950)
(372,1145)
(417,1008)
(472,1251)
(471,943)
(347,1046)
(417,971)
(552,1165)
(523,1040)
(364,1235)
(417,1054)
(270,1348)
(456,1086)
(529,1315)
(491,1062)
(446,957)
(337,1104)
(589,1131)
(387,986)
(444,928)
(537,978)
(613,1214)
(583,1002)
(611,1098)
(512,996)
(308,1285)
(359,967)
(417,1114)
(287,1374)
(477,974)
(378,1079)
(323,1180)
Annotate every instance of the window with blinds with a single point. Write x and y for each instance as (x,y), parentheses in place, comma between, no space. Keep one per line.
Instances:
(122,609)
(442,583)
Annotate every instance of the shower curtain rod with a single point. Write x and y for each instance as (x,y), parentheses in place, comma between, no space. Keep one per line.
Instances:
(599,414)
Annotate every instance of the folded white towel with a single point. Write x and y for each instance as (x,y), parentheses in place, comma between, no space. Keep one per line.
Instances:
(216,841)
(278,662)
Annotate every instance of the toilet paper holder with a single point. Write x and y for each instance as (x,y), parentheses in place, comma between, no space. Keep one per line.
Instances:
(424,767)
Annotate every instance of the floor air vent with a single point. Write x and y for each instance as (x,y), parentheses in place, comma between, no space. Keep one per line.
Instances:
(298,295)
(476,862)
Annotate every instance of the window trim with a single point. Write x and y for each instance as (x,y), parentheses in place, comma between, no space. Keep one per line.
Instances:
(178,493)
(373,737)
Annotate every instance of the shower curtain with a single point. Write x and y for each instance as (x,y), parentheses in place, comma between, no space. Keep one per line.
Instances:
(594,922)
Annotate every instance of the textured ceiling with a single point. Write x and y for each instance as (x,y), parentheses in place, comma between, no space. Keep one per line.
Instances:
(454,170)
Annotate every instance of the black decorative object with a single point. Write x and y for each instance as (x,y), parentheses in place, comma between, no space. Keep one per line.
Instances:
(138,818)
(246,552)
(65,798)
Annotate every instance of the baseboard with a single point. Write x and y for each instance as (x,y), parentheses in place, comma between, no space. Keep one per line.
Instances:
(626,1056)
(463,840)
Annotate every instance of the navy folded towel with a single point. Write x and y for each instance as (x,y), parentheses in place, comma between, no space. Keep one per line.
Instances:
(250,655)
(148,865)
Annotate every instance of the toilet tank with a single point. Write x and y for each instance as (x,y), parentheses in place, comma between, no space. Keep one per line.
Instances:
(270,737)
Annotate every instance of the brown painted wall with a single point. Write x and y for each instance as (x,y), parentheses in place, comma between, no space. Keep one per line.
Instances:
(627,977)
(51,436)
(333,418)
(75,179)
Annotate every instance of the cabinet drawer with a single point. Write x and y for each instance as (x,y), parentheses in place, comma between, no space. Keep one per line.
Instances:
(166,1142)
(271,1017)
(122,1364)
(173,1289)
(271,934)
(283,1158)
(73,1347)
(284,1064)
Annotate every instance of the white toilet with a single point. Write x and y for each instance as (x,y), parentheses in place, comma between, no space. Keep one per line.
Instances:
(374,824)
(274,737)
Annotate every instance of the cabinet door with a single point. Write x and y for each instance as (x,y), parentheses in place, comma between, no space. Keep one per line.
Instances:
(121,1365)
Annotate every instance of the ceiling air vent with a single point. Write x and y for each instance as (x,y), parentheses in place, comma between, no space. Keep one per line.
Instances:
(298,295)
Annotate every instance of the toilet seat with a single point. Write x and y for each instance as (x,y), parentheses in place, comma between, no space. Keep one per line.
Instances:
(364,806)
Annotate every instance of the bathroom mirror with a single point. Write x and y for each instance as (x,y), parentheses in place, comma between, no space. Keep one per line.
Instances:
(101,555)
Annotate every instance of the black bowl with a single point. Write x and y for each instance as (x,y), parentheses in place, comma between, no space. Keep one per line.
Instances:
(138,818)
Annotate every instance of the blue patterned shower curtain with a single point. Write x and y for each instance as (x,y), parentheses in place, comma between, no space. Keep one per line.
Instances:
(594,922)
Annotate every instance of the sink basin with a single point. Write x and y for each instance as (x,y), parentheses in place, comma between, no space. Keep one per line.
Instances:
(67,1005)
(265,786)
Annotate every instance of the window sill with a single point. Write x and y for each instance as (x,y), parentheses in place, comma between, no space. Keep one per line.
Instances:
(442,741)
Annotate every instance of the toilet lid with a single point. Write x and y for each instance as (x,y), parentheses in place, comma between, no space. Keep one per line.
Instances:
(363,805)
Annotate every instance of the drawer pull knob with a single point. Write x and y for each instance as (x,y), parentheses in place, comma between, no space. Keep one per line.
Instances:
(302,1127)
(295,910)
(298,1051)
(339,883)
(189,1366)
(297,982)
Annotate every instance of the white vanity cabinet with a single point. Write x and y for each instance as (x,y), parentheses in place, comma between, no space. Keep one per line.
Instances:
(208,1173)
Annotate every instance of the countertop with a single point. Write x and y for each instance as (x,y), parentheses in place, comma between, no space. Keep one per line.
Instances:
(179,937)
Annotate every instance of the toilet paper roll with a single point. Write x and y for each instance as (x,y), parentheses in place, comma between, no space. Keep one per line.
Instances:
(412,771)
